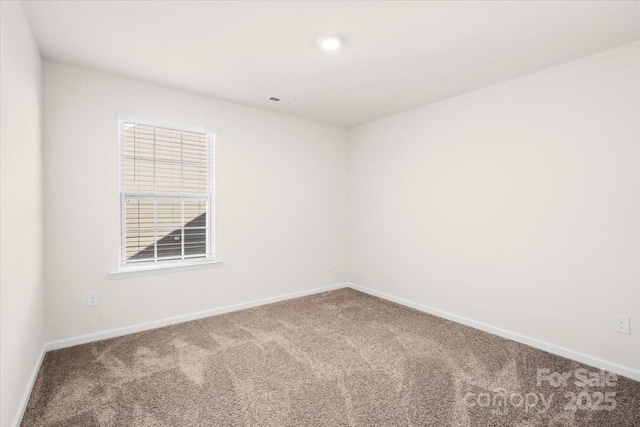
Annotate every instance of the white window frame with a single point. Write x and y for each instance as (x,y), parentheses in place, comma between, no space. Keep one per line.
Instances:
(173,264)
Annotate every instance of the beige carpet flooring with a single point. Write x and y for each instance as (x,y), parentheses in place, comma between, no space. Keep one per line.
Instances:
(340,358)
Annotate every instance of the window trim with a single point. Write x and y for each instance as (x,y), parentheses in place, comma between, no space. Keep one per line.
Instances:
(165,267)
(169,265)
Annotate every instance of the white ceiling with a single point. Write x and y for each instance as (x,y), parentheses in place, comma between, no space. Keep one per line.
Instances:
(397,55)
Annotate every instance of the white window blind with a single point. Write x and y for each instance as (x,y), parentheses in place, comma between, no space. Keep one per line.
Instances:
(166,193)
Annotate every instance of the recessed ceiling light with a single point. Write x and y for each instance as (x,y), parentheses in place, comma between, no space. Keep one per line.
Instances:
(330,42)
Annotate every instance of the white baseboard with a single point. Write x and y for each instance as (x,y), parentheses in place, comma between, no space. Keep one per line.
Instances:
(22,406)
(625,371)
(112,333)
(504,333)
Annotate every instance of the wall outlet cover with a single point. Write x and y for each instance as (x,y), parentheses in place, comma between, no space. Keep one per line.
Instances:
(92,299)
(621,324)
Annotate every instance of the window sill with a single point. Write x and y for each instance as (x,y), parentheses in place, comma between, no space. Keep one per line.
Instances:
(125,272)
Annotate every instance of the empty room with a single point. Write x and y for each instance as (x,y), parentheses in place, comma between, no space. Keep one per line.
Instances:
(320,213)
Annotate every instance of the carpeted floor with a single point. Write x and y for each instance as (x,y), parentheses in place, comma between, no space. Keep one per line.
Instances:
(340,358)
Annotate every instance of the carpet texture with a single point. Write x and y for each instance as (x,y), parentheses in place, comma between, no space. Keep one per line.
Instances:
(341,358)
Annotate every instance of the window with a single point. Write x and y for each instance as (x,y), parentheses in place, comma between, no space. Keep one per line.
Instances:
(166,193)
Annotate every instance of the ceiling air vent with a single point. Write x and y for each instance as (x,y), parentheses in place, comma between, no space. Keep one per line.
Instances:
(280,100)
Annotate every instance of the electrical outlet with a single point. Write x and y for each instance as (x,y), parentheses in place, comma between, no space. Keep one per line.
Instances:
(92,299)
(621,324)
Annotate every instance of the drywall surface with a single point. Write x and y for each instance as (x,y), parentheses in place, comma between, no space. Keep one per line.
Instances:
(517,205)
(22,291)
(280,204)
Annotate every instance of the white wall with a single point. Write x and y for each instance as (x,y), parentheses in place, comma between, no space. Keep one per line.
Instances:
(21,285)
(280,195)
(517,205)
